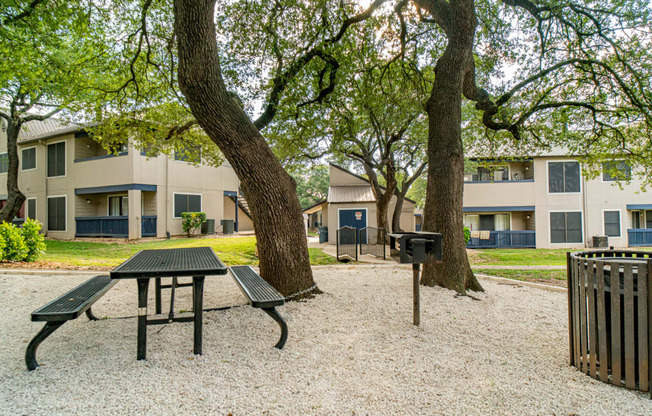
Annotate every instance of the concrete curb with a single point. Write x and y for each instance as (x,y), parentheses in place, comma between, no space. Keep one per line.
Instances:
(522,283)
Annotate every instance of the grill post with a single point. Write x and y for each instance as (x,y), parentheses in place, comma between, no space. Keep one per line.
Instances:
(416,308)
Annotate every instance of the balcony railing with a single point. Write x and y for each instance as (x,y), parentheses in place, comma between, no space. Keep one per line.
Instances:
(113,226)
(639,237)
(505,239)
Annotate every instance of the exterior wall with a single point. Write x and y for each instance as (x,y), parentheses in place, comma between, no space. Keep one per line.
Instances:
(338,177)
(334,221)
(100,170)
(594,198)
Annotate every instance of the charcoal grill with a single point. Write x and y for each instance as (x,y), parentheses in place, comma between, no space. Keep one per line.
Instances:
(415,248)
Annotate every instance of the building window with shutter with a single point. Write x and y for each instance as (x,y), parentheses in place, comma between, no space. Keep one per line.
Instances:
(31,208)
(186,203)
(28,158)
(4,162)
(56,213)
(56,159)
(612,223)
(566,227)
(563,177)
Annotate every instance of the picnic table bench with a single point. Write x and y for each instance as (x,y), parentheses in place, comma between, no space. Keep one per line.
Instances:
(66,307)
(261,295)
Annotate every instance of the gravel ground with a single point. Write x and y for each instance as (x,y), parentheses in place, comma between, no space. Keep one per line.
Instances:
(351,350)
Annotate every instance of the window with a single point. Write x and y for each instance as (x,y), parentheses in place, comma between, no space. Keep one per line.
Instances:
(187,154)
(186,203)
(566,227)
(28,158)
(31,208)
(612,223)
(616,170)
(4,162)
(636,219)
(563,177)
(57,159)
(118,206)
(487,222)
(57,213)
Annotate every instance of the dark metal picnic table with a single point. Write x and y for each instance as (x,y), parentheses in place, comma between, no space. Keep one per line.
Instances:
(197,262)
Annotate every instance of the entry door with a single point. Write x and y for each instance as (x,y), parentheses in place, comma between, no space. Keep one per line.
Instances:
(356,218)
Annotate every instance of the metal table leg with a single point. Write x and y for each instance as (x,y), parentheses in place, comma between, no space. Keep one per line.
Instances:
(158,295)
(172,294)
(416,313)
(198,300)
(143,285)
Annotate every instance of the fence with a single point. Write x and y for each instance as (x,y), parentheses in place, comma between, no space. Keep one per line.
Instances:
(372,241)
(347,244)
(609,312)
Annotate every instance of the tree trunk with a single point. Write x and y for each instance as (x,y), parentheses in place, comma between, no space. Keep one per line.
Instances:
(398,210)
(277,216)
(15,198)
(444,200)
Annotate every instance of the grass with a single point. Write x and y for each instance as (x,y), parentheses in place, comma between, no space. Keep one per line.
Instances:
(552,277)
(81,254)
(518,257)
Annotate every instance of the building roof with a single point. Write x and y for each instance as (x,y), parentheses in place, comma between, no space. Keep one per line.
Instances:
(315,207)
(36,129)
(511,153)
(354,193)
(343,194)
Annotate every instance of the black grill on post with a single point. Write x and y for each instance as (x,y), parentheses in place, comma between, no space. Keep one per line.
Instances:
(416,248)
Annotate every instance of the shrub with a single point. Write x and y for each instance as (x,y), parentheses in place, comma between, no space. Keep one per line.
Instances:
(467,235)
(34,240)
(15,247)
(192,221)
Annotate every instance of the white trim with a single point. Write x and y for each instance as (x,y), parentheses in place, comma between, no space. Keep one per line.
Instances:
(565,210)
(65,217)
(201,201)
(65,160)
(548,177)
(366,217)
(27,207)
(35,159)
(620,223)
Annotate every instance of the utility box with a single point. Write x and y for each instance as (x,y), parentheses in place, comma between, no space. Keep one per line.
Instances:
(600,241)
(208,227)
(227,226)
(323,235)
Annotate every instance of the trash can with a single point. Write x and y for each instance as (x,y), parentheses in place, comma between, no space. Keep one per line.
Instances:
(600,241)
(227,226)
(323,235)
(208,227)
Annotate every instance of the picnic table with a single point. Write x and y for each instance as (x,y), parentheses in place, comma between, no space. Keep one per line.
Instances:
(197,262)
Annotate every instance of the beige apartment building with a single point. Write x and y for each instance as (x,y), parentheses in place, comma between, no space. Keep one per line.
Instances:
(77,189)
(546,202)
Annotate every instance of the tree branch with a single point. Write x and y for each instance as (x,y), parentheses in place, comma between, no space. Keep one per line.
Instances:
(24,14)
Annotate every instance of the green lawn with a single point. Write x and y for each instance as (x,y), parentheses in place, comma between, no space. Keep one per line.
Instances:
(234,250)
(553,277)
(519,257)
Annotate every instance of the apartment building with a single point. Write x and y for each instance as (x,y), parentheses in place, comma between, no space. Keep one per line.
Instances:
(546,202)
(76,188)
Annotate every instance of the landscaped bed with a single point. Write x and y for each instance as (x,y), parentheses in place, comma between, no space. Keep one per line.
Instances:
(352,350)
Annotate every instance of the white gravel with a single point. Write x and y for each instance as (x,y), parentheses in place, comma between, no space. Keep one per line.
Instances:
(352,350)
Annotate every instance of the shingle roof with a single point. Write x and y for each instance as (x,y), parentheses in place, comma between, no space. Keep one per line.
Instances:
(341,194)
(33,130)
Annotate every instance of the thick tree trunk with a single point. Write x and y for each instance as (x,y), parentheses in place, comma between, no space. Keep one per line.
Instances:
(444,200)
(398,210)
(15,198)
(277,217)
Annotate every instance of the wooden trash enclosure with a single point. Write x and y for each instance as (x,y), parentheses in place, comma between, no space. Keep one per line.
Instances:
(609,312)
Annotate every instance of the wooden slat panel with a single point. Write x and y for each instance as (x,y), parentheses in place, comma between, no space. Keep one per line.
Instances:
(602,324)
(643,328)
(615,325)
(583,329)
(593,330)
(576,313)
(569,282)
(630,342)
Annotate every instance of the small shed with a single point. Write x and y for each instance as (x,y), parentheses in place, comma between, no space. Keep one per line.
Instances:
(351,202)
